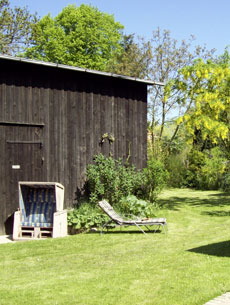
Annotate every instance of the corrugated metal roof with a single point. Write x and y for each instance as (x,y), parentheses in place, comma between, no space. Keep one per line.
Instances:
(43,63)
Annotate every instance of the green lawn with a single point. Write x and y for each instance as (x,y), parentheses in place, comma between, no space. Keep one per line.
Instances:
(187,266)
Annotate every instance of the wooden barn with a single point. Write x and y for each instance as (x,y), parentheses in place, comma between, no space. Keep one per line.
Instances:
(55,118)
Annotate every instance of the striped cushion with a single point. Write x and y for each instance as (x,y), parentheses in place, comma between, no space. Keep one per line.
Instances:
(39,208)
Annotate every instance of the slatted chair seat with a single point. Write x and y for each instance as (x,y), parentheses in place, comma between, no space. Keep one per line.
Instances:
(138,222)
(38,208)
(38,215)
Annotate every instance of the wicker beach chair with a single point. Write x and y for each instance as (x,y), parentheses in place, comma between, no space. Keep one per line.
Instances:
(138,222)
(40,211)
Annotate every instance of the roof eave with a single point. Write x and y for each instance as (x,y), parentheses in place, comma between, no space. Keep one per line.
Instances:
(66,67)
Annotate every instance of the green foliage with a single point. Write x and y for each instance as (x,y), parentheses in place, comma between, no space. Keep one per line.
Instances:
(196,159)
(79,36)
(169,56)
(109,179)
(155,178)
(15,28)
(176,167)
(134,58)
(211,174)
(225,181)
(85,217)
(207,169)
(134,206)
(204,88)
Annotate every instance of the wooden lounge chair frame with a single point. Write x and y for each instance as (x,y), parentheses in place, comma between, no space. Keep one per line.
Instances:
(138,222)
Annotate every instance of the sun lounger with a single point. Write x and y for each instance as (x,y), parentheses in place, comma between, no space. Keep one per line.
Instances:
(138,222)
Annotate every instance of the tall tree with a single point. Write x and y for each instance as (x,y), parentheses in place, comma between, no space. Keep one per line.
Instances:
(160,59)
(134,58)
(15,28)
(79,36)
(169,57)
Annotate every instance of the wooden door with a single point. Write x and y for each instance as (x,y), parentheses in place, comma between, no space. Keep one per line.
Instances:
(22,161)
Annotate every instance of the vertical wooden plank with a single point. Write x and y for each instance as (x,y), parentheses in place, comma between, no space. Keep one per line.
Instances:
(9,100)
(15,95)
(121,124)
(34,107)
(97,119)
(78,117)
(139,129)
(109,116)
(52,141)
(82,130)
(71,166)
(65,136)
(118,124)
(131,128)
(44,118)
(56,134)
(103,131)
(128,125)
(1,97)
(21,101)
(73,141)
(29,107)
(89,125)
(144,126)
(106,119)
(60,130)
(115,122)
(3,178)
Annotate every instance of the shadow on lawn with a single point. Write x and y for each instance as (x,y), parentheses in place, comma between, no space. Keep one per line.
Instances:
(125,232)
(220,199)
(174,203)
(171,203)
(216,213)
(217,249)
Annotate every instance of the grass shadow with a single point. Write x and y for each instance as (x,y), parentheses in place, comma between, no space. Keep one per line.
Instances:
(213,200)
(223,194)
(221,249)
(174,203)
(216,213)
(124,232)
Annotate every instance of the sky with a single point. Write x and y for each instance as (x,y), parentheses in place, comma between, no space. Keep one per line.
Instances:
(207,20)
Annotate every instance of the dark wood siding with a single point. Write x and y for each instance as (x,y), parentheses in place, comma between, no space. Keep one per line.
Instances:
(52,121)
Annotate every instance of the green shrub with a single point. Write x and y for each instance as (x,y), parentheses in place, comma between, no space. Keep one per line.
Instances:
(211,174)
(175,165)
(85,218)
(225,181)
(138,207)
(155,179)
(207,169)
(196,159)
(109,179)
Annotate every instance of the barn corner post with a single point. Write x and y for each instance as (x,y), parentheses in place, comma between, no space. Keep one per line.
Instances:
(52,118)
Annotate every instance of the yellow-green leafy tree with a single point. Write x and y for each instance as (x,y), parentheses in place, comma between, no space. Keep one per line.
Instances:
(205,90)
